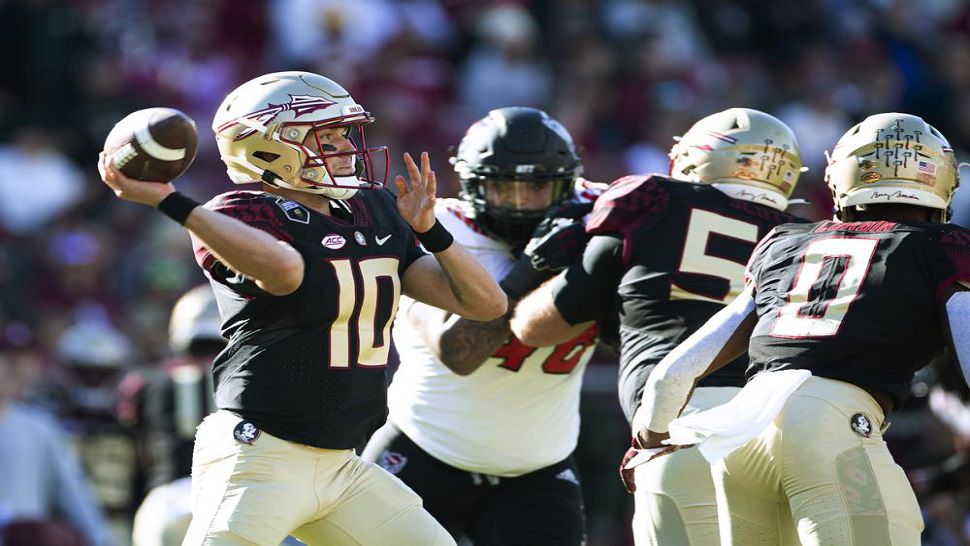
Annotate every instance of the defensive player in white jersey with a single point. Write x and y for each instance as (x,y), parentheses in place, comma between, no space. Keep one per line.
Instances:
(482,426)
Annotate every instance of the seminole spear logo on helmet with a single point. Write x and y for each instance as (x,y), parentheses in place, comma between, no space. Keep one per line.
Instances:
(299,104)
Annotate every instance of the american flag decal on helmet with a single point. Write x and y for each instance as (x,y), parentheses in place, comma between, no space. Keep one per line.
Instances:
(299,104)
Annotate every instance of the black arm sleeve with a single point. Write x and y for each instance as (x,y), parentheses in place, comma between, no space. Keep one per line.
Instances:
(587,290)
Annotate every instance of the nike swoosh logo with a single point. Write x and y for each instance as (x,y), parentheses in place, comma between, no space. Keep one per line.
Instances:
(382,240)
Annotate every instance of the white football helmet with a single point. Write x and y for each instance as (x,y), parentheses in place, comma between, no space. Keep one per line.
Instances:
(745,153)
(260,128)
(195,322)
(892,158)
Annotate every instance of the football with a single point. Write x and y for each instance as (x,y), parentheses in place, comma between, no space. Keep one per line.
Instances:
(155,144)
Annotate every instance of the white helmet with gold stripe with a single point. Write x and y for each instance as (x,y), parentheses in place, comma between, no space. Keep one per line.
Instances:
(745,153)
(892,158)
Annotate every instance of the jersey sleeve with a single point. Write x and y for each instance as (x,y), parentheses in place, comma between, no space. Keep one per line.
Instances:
(414,251)
(587,191)
(627,204)
(753,268)
(587,289)
(254,210)
(955,244)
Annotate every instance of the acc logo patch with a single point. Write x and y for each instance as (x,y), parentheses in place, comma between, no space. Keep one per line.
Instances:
(392,462)
(333,241)
(861,425)
(245,433)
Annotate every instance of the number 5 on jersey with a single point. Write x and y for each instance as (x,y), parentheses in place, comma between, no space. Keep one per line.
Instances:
(696,260)
(366,292)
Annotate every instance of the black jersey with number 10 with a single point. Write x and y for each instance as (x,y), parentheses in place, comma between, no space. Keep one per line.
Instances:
(857,302)
(310,367)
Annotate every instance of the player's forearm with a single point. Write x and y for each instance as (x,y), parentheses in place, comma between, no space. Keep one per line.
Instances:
(476,293)
(719,341)
(537,321)
(274,265)
(464,345)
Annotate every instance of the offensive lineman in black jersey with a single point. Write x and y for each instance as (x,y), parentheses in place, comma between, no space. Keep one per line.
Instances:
(840,315)
(307,273)
(666,254)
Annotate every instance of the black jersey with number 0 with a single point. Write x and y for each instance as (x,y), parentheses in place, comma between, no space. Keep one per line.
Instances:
(310,367)
(857,302)
(665,256)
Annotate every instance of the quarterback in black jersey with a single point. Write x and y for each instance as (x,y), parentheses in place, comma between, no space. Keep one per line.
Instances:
(667,253)
(836,316)
(307,273)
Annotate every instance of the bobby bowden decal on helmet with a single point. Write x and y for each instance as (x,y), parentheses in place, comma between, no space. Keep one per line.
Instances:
(892,158)
(744,153)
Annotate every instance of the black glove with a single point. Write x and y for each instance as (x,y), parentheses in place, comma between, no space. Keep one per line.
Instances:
(557,241)
(523,278)
(560,238)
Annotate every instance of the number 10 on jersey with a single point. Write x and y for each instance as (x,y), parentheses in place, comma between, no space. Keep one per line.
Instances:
(361,290)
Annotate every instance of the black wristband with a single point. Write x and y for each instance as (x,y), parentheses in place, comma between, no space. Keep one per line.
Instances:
(436,239)
(177,206)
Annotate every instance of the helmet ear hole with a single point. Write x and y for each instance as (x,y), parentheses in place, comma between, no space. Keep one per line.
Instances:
(266,156)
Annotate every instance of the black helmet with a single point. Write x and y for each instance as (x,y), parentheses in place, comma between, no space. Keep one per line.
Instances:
(512,150)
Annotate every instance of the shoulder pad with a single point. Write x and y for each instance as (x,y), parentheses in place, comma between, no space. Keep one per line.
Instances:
(232,198)
(587,191)
(627,203)
(255,209)
(955,244)
(750,269)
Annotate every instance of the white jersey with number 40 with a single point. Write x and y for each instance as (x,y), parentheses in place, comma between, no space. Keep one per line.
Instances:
(517,413)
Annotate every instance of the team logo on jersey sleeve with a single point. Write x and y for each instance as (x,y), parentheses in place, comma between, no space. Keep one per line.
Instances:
(359,237)
(245,433)
(392,462)
(861,425)
(333,241)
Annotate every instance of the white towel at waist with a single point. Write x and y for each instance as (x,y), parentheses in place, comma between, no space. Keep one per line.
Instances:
(722,429)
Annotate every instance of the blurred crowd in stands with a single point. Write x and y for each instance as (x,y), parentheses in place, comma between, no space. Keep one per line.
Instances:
(87,283)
